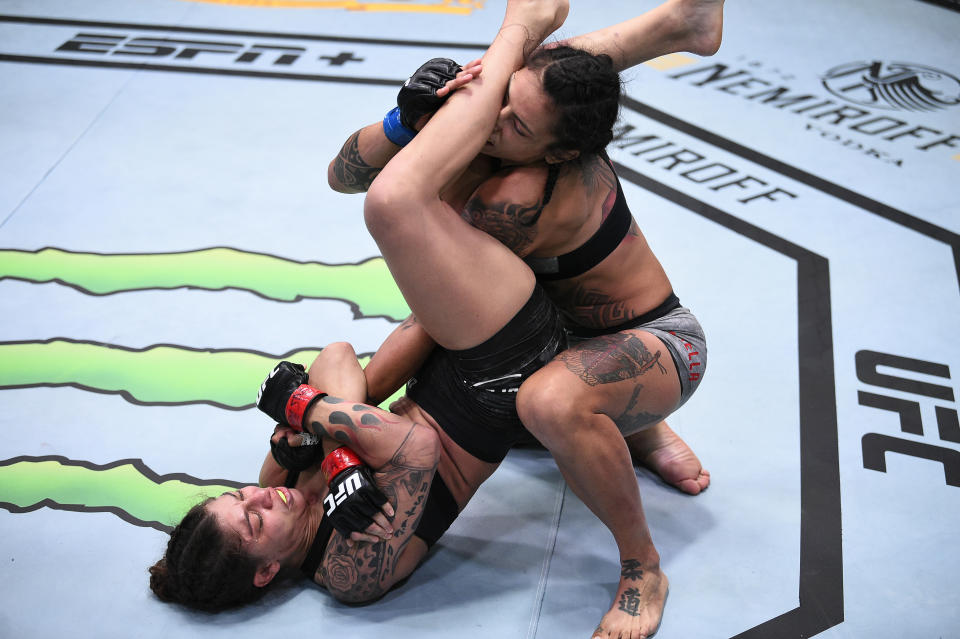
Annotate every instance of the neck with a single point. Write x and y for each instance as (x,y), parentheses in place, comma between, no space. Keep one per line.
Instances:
(308,533)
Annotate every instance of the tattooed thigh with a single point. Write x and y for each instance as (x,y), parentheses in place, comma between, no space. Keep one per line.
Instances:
(614,358)
(630,376)
(634,417)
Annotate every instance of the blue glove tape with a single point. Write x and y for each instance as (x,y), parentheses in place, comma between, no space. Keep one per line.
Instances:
(394,129)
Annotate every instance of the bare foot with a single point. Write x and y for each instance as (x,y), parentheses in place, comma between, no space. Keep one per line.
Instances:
(662,451)
(703,20)
(637,607)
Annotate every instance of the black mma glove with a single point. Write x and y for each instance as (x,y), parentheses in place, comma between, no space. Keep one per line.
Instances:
(297,458)
(353,499)
(285,395)
(418,95)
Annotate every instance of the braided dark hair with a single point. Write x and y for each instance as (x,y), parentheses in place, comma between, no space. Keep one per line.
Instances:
(585,90)
(202,567)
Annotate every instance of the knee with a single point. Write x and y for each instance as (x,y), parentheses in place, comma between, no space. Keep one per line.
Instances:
(377,210)
(387,205)
(548,405)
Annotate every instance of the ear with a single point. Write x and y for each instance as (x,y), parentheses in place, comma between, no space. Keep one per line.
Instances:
(265,573)
(559,157)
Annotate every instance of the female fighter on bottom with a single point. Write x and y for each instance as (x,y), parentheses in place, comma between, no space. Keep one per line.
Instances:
(491,338)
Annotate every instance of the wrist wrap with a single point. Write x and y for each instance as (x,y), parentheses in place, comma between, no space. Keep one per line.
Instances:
(394,129)
(299,402)
(338,461)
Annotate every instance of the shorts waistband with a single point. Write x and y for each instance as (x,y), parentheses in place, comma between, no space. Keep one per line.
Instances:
(666,306)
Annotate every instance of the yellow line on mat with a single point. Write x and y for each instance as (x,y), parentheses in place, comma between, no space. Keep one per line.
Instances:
(459,7)
(667,62)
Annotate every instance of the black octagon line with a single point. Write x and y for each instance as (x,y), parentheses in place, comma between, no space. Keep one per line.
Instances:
(821,560)
(821,552)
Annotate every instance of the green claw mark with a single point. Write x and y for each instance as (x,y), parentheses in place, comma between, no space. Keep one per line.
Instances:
(367,287)
(127,488)
(161,375)
(157,375)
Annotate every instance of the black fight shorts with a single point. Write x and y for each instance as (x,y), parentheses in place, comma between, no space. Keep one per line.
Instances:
(472,393)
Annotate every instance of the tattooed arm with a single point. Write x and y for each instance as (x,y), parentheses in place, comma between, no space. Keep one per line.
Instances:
(397,359)
(373,434)
(404,457)
(337,371)
(368,150)
(357,573)
(360,160)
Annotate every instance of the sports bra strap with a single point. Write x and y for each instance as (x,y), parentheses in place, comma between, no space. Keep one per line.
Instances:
(315,555)
(580,260)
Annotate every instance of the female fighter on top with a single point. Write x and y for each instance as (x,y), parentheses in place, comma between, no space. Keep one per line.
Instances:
(545,188)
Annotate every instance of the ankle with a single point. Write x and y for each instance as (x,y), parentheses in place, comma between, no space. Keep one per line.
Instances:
(634,567)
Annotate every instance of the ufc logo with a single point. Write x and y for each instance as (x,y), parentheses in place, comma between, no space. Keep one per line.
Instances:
(908,409)
(347,488)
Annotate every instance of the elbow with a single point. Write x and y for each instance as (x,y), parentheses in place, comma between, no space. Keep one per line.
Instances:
(357,597)
(339,352)
(333,179)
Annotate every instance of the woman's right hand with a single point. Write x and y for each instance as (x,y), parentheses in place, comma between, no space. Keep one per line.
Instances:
(469,71)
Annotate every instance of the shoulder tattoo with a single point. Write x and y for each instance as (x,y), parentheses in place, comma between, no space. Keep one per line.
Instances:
(513,224)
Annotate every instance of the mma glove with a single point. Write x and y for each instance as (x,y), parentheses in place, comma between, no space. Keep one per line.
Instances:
(285,395)
(297,458)
(417,98)
(354,498)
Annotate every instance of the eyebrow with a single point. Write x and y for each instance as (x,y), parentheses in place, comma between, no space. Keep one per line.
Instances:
(239,496)
(519,121)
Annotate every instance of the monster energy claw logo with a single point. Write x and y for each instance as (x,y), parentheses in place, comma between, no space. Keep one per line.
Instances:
(893,85)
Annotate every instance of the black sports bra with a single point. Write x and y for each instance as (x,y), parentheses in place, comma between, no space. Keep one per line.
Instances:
(583,258)
(315,555)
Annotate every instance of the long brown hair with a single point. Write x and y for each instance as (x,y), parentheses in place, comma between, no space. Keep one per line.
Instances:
(202,567)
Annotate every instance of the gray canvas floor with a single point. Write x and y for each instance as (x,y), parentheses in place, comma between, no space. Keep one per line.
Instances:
(173,215)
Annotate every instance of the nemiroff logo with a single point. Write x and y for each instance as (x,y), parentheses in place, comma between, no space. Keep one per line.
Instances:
(900,86)
(868,108)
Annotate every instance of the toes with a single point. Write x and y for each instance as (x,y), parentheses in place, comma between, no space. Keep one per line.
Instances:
(694,486)
(704,479)
(690,486)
